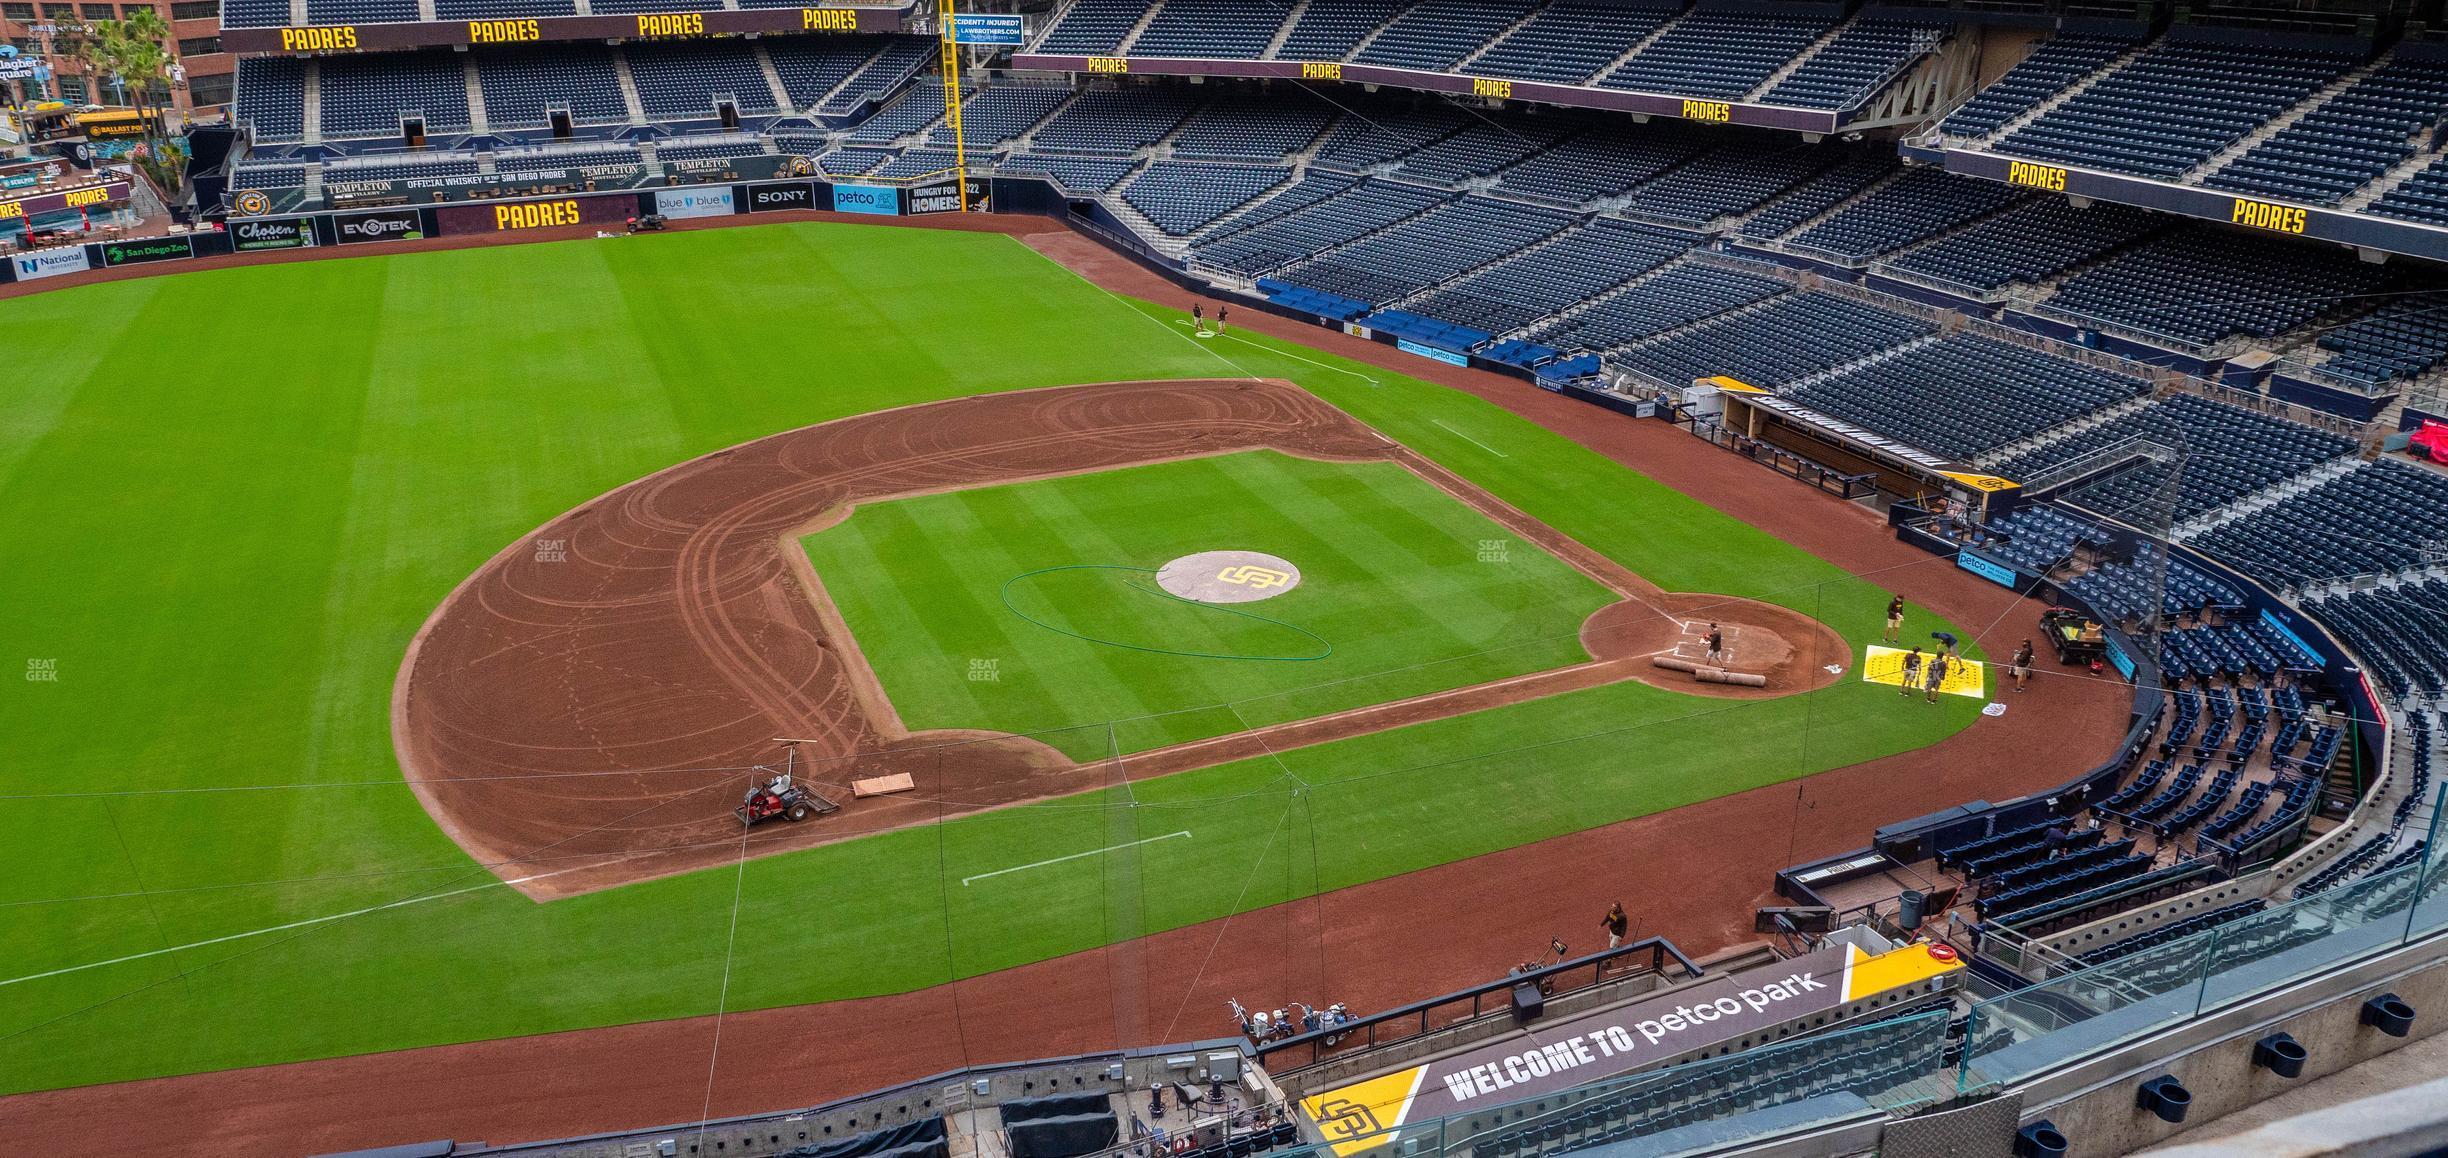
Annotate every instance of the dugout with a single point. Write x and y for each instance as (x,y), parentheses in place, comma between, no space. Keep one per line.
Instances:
(1897,469)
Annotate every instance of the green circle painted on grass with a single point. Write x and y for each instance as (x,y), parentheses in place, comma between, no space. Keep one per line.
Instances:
(1324,647)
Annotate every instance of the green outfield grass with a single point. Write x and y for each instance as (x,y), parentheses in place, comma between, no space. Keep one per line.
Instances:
(1397,577)
(228,499)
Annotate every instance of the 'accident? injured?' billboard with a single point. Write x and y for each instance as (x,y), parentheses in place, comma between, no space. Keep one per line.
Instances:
(1617,1041)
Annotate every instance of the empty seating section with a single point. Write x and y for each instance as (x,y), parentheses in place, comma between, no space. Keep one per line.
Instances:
(852,162)
(365,96)
(1078,174)
(1859,170)
(1570,40)
(1572,269)
(342,174)
(1790,337)
(2036,240)
(1002,113)
(1435,34)
(811,67)
(2050,69)
(1272,243)
(902,58)
(1314,186)
(272,97)
(2375,518)
(2353,137)
(1919,204)
(2229,453)
(2173,106)
(1240,129)
(1675,297)
(2400,632)
(1600,163)
(490,9)
(1330,29)
(2423,196)
(708,149)
(1733,178)
(1209,28)
(360,11)
(2198,285)
(547,160)
(254,176)
(1376,136)
(1113,122)
(916,163)
(1966,395)
(254,14)
(1427,250)
(918,108)
(1481,148)
(1850,69)
(1093,27)
(1182,198)
(686,78)
(2399,340)
(1716,54)
(521,86)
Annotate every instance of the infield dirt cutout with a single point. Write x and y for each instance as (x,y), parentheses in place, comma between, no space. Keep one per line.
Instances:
(587,704)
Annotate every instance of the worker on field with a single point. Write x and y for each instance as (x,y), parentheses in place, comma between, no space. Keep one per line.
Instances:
(2022,665)
(1912,672)
(1716,644)
(1895,619)
(1616,924)
(1937,674)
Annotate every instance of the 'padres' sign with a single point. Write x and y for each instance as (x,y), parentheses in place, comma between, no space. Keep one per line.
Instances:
(1252,576)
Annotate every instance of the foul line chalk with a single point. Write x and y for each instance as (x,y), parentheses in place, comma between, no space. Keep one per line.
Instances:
(1467,438)
(1184,834)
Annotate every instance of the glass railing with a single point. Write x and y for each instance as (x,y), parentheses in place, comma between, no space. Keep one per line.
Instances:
(2021,1033)
(1905,1062)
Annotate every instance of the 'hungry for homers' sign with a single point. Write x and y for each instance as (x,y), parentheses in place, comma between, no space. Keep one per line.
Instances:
(1601,1045)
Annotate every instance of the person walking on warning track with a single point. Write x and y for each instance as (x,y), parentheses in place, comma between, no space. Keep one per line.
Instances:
(1912,672)
(1716,645)
(2022,665)
(1937,674)
(1617,924)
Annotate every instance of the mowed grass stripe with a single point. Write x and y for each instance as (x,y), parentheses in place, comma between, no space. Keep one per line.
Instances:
(508,410)
(1390,581)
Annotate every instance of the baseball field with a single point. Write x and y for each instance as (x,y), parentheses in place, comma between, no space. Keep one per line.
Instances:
(236,505)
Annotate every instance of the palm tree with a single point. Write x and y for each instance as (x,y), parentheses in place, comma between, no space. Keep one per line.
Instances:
(134,52)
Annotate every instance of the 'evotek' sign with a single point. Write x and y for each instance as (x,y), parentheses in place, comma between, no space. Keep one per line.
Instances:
(382,225)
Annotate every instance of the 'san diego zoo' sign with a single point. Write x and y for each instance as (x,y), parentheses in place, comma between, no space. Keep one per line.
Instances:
(115,253)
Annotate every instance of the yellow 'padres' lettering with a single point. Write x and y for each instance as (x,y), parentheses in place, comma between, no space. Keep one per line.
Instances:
(828,20)
(2048,177)
(672,24)
(1108,64)
(12,209)
(79,198)
(503,31)
(535,215)
(1489,87)
(1321,70)
(2263,215)
(318,39)
(1718,111)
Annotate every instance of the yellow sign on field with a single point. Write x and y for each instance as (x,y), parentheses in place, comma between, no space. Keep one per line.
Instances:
(1885,665)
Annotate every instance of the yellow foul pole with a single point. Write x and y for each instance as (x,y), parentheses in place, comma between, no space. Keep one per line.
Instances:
(952,98)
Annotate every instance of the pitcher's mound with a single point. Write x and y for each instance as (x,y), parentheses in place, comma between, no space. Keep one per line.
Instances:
(1228,576)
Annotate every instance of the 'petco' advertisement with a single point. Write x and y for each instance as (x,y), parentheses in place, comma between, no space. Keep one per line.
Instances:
(44,263)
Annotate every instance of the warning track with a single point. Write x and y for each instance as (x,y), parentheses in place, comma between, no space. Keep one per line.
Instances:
(596,689)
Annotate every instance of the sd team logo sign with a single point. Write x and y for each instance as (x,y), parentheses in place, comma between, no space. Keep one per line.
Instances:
(1228,577)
